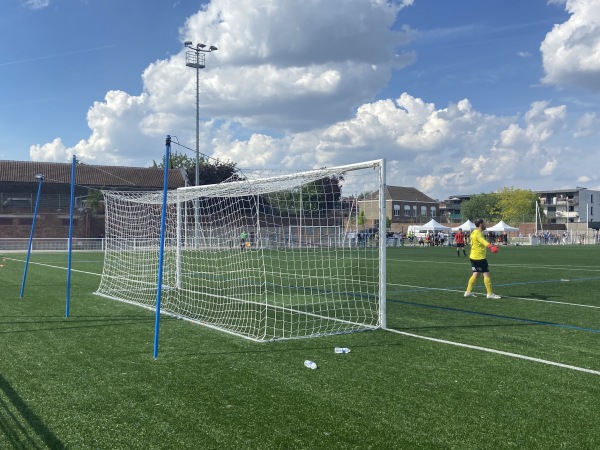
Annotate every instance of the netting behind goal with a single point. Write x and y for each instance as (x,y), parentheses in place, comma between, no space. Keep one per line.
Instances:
(265,258)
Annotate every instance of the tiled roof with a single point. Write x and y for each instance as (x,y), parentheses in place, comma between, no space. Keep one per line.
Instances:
(88,175)
(407,193)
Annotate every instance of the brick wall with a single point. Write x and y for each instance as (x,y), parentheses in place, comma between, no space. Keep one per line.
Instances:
(50,225)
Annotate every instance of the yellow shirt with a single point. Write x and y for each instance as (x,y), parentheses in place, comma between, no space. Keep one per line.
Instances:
(478,245)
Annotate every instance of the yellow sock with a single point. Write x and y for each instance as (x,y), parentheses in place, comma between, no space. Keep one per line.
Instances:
(488,284)
(471,283)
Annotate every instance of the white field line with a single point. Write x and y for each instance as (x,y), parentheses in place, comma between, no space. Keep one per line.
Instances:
(498,352)
(504,297)
(54,267)
(492,264)
(551,301)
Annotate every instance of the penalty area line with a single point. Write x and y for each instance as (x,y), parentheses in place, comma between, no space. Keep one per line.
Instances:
(497,352)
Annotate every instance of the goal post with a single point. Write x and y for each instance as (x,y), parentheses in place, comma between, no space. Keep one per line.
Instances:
(265,258)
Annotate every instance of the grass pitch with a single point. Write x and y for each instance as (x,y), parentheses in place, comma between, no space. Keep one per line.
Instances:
(521,372)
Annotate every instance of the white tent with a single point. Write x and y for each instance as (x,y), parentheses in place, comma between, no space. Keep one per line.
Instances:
(433,225)
(467,226)
(502,226)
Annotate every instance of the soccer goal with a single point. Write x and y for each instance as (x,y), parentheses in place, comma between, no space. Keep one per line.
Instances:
(265,258)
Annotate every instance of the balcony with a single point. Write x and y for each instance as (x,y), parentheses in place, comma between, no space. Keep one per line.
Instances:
(567,214)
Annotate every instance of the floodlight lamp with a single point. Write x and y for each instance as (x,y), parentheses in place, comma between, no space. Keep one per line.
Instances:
(212,48)
(187,43)
(201,45)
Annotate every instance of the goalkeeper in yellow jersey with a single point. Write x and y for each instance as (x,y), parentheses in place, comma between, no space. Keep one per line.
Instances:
(478,262)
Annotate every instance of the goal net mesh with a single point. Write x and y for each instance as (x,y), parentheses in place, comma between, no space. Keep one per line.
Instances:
(269,257)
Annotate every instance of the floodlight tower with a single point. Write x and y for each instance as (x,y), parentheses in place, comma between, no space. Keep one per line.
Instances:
(195,58)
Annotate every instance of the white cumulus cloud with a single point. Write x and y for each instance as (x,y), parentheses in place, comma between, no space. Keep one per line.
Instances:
(571,51)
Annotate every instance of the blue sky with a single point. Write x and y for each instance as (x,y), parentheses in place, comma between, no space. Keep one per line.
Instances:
(459,97)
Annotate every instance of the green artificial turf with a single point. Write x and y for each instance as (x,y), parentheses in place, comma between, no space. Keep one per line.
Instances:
(90,380)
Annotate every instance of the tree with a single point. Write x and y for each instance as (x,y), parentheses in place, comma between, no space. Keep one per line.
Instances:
(485,206)
(318,196)
(211,172)
(92,202)
(176,161)
(361,219)
(388,223)
(508,204)
(517,205)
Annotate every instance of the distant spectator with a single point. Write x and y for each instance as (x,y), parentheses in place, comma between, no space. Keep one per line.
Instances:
(459,239)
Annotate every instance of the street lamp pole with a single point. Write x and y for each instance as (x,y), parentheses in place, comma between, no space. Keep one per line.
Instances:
(195,58)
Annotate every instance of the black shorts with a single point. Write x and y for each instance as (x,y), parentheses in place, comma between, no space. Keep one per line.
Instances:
(460,245)
(479,265)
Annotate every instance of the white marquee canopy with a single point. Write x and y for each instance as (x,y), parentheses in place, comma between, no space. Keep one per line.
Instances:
(502,226)
(433,225)
(467,226)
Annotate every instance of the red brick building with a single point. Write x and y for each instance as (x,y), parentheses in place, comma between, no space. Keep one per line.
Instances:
(19,187)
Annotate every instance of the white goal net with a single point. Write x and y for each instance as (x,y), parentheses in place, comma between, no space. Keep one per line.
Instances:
(269,257)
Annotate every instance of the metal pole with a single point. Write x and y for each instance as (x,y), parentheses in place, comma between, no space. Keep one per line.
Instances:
(70,253)
(197,127)
(568,236)
(197,61)
(587,221)
(197,179)
(161,250)
(37,201)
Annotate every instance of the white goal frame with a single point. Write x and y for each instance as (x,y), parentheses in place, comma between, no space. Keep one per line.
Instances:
(295,290)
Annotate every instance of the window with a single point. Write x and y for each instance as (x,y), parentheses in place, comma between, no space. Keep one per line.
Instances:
(415,211)
(406,211)
(424,211)
(396,210)
(433,211)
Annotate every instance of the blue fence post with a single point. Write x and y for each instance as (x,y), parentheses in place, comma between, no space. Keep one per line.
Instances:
(162,244)
(40,178)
